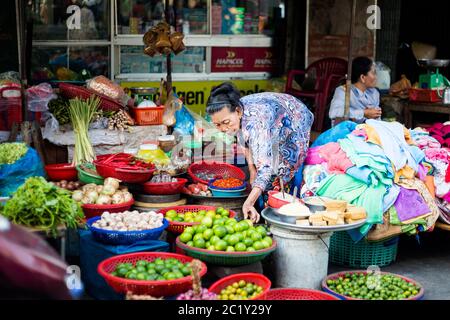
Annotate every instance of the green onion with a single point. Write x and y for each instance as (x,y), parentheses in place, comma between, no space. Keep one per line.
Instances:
(81,114)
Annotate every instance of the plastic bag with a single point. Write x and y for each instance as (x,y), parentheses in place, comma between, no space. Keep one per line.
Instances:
(383,76)
(29,267)
(12,176)
(184,122)
(171,107)
(39,96)
(106,87)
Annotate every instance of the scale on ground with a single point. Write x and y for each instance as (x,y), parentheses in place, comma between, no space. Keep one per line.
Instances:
(433,79)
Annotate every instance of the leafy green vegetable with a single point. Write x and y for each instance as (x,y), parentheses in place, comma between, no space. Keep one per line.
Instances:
(40,204)
(60,110)
(11,152)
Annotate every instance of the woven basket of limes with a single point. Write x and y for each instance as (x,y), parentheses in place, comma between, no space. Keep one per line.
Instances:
(227,242)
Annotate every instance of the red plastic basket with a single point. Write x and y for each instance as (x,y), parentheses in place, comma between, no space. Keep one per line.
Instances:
(70,91)
(164,188)
(298,294)
(219,169)
(178,227)
(10,109)
(94,210)
(148,116)
(255,278)
(61,171)
(424,95)
(334,276)
(165,288)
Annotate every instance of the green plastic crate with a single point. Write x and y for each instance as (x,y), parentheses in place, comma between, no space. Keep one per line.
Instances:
(345,252)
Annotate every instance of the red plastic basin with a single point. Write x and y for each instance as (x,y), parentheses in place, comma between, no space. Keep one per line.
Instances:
(61,171)
(164,188)
(95,210)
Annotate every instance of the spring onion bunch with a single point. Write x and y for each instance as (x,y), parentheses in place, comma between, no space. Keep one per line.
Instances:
(81,115)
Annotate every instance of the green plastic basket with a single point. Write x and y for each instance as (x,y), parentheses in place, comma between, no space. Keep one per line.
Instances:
(87,177)
(225,258)
(345,252)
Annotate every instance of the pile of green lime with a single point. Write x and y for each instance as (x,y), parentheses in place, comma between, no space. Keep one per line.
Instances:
(158,269)
(241,290)
(191,217)
(226,234)
(371,286)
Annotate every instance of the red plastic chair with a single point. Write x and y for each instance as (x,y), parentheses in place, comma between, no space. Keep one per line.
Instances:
(323,70)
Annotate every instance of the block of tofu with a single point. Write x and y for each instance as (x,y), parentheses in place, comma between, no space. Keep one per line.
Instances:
(336,205)
(320,224)
(331,217)
(340,222)
(357,213)
(317,217)
(349,221)
(303,223)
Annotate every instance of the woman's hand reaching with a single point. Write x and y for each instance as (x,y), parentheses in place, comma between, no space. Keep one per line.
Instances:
(250,212)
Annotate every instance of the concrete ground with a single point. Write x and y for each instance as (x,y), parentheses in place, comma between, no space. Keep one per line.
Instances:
(427,262)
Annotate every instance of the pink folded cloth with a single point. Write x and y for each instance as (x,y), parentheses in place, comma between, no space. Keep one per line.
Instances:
(434,154)
(313,157)
(336,158)
(360,133)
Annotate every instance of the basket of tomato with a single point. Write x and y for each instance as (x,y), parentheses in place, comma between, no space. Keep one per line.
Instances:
(227,187)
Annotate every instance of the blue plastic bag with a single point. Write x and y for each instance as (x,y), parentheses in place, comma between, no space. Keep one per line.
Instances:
(12,176)
(93,252)
(185,122)
(335,134)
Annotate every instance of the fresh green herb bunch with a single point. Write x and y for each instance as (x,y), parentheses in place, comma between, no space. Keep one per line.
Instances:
(40,204)
(11,152)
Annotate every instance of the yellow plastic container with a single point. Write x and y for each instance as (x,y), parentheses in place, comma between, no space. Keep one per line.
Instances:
(152,154)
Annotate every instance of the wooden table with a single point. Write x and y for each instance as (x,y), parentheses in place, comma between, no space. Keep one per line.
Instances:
(412,107)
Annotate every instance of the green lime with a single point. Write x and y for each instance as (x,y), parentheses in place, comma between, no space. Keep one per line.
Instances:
(220,231)
(240,247)
(230,229)
(170,276)
(258,245)
(265,244)
(185,237)
(251,249)
(233,239)
(190,244)
(238,227)
(171,214)
(186,271)
(199,243)
(230,249)
(122,272)
(210,214)
(256,236)
(249,223)
(225,213)
(198,218)
(244,225)
(131,275)
(189,230)
(231,222)
(198,236)
(200,229)
(211,248)
(207,222)
(248,242)
(261,230)
(221,245)
(214,239)
(141,276)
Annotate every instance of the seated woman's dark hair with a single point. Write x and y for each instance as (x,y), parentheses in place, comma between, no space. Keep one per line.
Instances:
(222,96)
(360,66)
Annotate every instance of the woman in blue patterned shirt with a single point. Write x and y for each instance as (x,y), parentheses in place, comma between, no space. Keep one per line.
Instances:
(273,127)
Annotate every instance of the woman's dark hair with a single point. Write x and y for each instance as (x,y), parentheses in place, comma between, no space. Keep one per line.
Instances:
(360,66)
(225,95)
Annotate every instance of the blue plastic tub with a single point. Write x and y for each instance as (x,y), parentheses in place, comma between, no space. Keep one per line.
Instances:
(124,237)
(227,193)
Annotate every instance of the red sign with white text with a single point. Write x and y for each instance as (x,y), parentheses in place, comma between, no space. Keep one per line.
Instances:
(242,59)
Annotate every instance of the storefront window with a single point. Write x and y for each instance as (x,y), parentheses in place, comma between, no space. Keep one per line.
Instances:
(71,19)
(69,63)
(133,60)
(137,16)
(242,16)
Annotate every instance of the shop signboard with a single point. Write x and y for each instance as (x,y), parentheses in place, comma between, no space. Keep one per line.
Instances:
(196,93)
(226,59)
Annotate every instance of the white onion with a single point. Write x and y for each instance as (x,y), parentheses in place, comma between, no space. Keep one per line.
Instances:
(115,183)
(77,195)
(108,190)
(103,199)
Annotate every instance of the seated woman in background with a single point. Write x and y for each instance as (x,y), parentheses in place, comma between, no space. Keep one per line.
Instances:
(364,99)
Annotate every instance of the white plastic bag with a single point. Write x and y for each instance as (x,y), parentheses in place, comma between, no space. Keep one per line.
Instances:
(383,76)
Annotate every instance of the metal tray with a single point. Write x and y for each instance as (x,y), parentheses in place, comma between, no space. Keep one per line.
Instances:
(435,63)
(272,217)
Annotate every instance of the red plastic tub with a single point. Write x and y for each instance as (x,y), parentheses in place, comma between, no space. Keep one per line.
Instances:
(255,278)
(178,227)
(218,169)
(128,176)
(62,171)
(95,210)
(298,294)
(164,188)
(164,288)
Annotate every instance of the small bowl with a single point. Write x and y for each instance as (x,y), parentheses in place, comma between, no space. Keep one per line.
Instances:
(61,171)
(315,207)
(274,202)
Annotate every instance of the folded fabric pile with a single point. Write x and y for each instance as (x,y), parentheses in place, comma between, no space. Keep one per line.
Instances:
(434,142)
(378,166)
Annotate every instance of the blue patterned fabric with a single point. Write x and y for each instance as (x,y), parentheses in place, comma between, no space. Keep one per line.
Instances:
(276,128)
